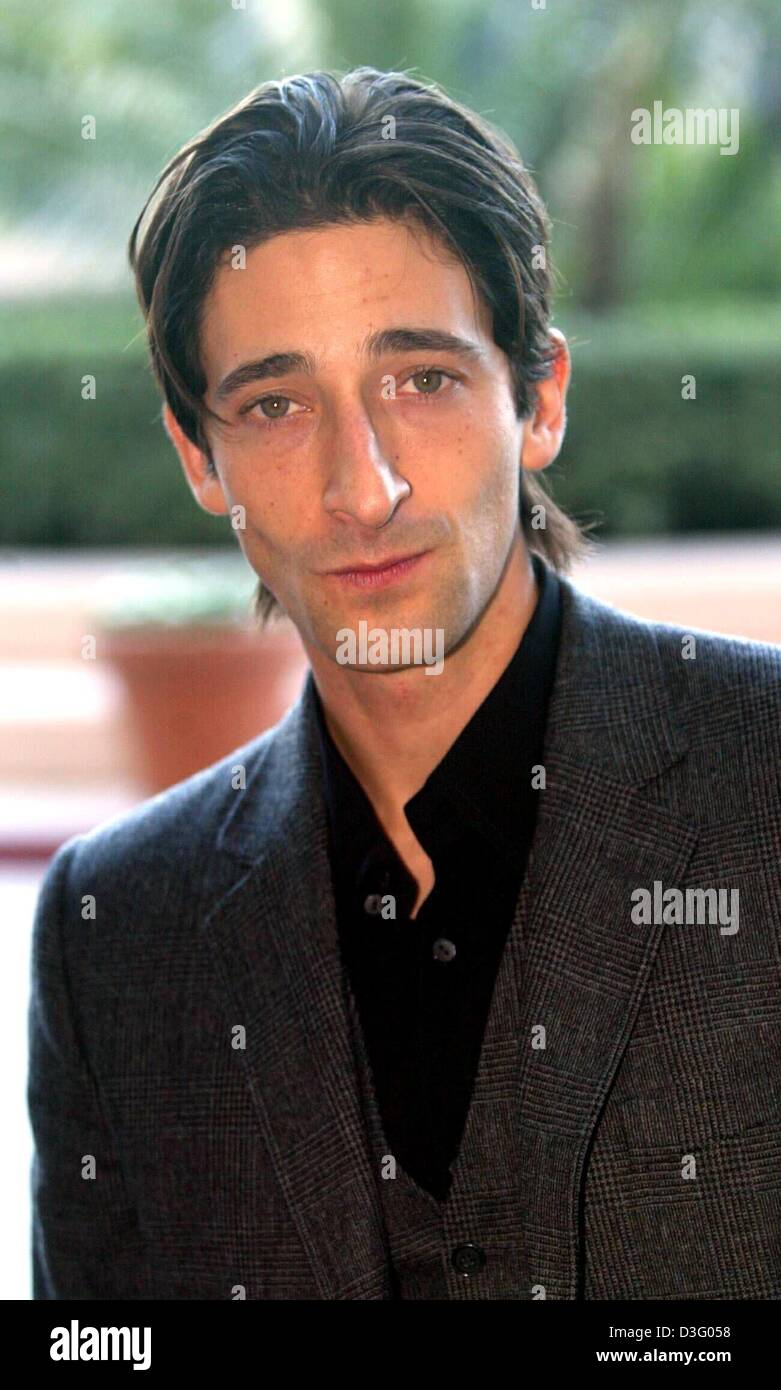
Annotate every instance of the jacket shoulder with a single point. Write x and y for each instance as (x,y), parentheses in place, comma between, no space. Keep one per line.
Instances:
(717,697)
(729,686)
(170,834)
(698,661)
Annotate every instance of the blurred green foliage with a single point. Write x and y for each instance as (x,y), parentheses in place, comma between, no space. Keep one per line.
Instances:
(667,257)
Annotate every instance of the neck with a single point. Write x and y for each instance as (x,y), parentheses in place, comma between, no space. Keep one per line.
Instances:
(392,730)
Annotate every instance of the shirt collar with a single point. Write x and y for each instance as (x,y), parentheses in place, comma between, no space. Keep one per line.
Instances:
(483,784)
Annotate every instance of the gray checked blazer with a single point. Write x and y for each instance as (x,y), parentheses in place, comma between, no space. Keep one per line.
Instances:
(173,1162)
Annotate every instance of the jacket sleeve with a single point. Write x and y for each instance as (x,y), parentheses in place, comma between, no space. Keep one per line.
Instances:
(85,1238)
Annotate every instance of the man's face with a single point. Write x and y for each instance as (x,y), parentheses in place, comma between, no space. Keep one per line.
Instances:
(365,444)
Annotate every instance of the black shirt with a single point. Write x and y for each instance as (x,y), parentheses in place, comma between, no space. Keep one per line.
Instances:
(423,986)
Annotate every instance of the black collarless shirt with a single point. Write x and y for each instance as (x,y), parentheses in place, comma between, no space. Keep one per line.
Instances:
(423,986)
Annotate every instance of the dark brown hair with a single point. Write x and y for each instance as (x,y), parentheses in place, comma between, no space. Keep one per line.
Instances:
(315,150)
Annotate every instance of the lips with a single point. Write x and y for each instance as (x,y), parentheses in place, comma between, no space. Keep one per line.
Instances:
(377,569)
(389,572)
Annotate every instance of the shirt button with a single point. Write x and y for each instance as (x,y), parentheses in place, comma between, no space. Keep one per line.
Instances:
(468,1259)
(443,949)
(372,904)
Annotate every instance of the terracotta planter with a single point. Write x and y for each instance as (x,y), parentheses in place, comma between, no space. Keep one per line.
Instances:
(195,693)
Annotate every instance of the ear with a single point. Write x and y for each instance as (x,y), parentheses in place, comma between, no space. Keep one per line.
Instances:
(204,485)
(544,432)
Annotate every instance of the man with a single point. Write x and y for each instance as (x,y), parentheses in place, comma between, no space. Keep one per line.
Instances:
(462,982)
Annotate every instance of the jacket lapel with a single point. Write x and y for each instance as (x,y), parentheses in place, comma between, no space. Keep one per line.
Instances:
(577,963)
(274,938)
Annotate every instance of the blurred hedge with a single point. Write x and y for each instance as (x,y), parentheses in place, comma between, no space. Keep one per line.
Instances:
(646,460)
(637,457)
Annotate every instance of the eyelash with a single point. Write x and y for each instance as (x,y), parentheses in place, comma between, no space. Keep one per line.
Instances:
(265,423)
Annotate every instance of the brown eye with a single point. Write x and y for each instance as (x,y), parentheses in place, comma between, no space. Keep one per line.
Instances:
(428,383)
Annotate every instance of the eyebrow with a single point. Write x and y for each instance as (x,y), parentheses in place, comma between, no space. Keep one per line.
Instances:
(379,344)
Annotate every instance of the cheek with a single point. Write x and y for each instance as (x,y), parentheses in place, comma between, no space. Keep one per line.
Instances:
(487,433)
(488,457)
(263,493)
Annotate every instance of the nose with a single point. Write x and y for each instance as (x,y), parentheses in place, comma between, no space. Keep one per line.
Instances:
(362,481)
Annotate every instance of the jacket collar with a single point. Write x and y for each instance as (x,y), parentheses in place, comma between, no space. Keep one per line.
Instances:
(606,712)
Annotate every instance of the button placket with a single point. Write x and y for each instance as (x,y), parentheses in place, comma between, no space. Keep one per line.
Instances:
(372,903)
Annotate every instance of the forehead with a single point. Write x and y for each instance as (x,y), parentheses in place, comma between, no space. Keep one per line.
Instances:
(326,290)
